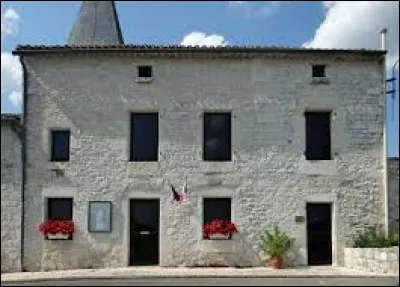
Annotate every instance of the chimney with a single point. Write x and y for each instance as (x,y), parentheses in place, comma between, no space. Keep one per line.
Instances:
(383,38)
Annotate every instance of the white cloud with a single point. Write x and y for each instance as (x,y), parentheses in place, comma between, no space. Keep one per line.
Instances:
(15,98)
(236,3)
(261,9)
(10,21)
(201,39)
(356,25)
(11,78)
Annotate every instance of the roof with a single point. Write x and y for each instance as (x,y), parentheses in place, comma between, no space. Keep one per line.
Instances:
(32,49)
(97,24)
(14,121)
(8,118)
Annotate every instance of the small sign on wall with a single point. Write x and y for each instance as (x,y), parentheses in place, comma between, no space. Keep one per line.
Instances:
(99,216)
(299,219)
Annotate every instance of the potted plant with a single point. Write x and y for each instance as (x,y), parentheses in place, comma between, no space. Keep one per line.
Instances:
(276,244)
(57,228)
(219,229)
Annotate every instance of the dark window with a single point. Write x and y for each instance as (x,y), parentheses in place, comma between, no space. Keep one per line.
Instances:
(60,145)
(216,208)
(145,72)
(144,137)
(318,71)
(59,208)
(217,137)
(318,135)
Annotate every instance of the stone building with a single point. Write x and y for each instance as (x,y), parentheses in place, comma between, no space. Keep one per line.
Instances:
(263,136)
(11,184)
(393,189)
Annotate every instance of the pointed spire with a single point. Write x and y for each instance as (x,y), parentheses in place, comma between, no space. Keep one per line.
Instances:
(96,24)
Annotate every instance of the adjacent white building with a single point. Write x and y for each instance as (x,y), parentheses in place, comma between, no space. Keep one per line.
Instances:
(263,136)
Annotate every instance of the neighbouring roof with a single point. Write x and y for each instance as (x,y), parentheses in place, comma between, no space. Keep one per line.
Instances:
(9,118)
(97,24)
(14,121)
(173,49)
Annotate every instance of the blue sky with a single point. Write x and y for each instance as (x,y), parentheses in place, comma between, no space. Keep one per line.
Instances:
(328,24)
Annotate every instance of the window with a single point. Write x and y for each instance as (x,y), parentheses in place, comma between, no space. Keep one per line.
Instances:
(216,208)
(217,137)
(60,145)
(144,137)
(145,72)
(318,135)
(318,71)
(59,208)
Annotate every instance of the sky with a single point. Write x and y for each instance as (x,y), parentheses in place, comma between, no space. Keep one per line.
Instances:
(319,24)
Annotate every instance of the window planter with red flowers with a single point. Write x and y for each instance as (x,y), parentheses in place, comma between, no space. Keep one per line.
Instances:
(57,229)
(219,230)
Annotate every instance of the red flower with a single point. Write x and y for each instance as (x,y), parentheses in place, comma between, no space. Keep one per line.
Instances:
(54,226)
(219,226)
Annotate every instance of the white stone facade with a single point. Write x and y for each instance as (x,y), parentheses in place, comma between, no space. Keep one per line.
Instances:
(268,179)
(381,260)
(393,189)
(11,184)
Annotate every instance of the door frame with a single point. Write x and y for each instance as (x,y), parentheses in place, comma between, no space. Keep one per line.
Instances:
(127,231)
(325,199)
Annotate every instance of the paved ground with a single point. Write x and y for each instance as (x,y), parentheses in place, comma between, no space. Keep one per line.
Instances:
(385,281)
(158,276)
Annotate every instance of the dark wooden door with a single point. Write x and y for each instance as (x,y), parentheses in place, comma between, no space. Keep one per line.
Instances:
(319,233)
(144,231)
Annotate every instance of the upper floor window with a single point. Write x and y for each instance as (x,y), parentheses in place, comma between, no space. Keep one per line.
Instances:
(144,137)
(217,137)
(318,71)
(145,72)
(318,135)
(60,141)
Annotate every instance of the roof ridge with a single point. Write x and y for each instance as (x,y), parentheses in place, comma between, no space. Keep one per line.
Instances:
(193,47)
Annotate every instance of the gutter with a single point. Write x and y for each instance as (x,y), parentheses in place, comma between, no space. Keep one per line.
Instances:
(23,153)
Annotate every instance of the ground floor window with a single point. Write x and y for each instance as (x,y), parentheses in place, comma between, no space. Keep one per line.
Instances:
(216,208)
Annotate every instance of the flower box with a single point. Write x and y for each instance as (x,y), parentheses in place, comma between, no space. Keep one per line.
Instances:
(58,236)
(57,229)
(219,229)
(219,236)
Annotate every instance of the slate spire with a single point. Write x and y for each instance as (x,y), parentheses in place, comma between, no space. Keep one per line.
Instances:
(97,24)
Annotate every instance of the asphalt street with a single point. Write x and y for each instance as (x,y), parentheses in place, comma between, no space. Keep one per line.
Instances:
(392,281)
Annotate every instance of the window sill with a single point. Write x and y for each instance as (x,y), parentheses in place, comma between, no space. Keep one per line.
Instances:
(320,81)
(57,165)
(142,167)
(144,79)
(216,166)
(318,167)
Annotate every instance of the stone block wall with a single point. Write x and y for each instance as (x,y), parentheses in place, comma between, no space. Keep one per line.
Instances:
(381,260)
(268,180)
(11,184)
(393,190)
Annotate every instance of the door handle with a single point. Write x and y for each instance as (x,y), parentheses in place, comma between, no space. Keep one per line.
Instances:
(144,232)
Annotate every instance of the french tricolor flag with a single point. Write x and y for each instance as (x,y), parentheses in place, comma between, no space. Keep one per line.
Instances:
(176,195)
(184,191)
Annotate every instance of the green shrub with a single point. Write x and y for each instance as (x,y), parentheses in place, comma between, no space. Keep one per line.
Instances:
(276,243)
(394,237)
(377,238)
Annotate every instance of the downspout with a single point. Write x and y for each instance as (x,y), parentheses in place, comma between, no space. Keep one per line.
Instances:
(385,170)
(23,155)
